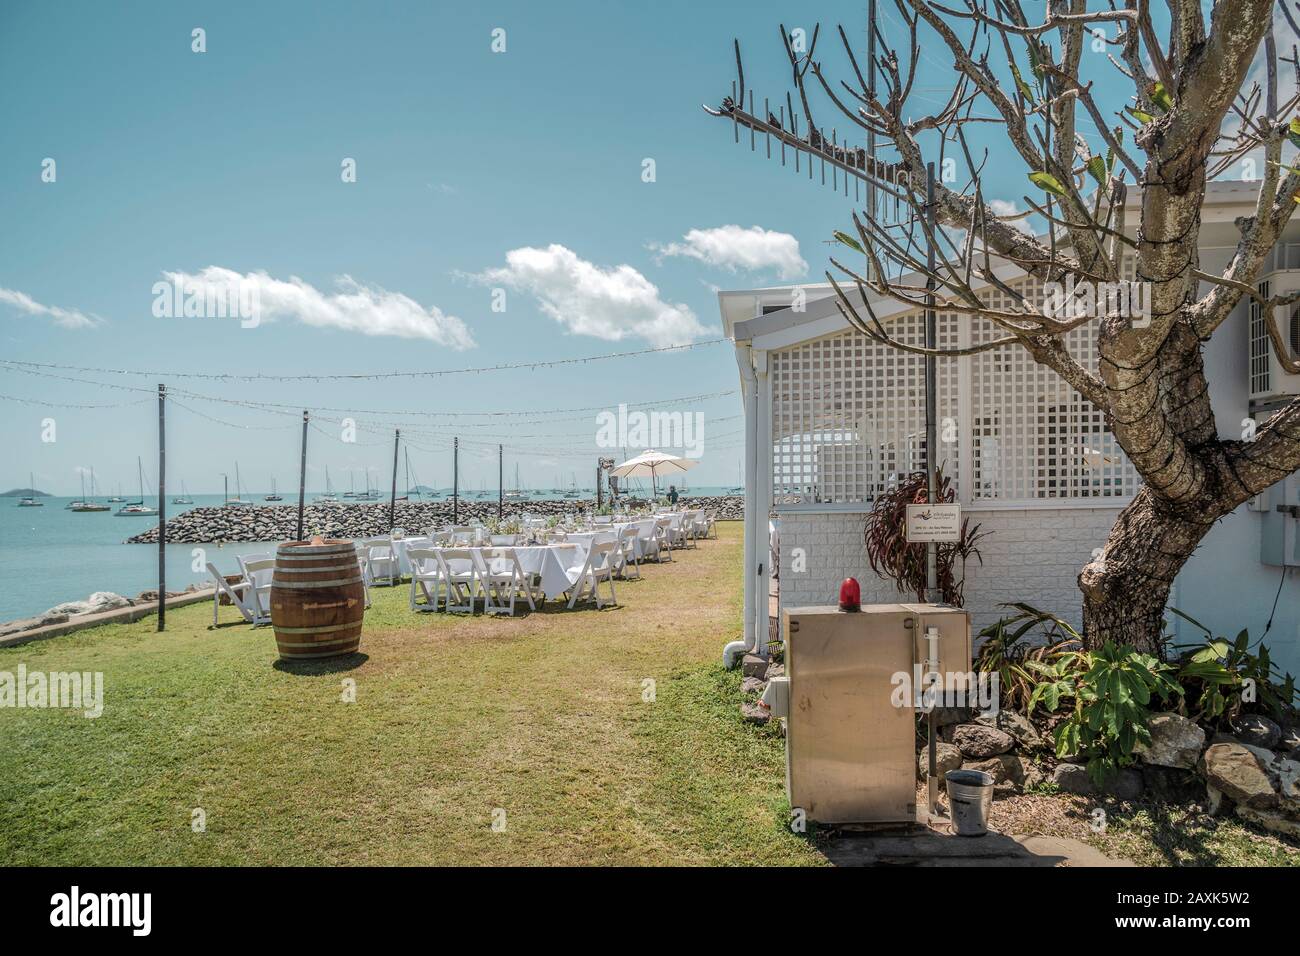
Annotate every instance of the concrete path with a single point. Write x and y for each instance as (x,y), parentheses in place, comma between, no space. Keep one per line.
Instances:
(928,846)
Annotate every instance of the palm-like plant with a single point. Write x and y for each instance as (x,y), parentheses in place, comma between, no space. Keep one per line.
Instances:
(892,556)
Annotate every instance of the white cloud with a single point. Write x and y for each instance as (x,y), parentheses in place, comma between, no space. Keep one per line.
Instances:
(612,304)
(353,307)
(67,318)
(733,248)
(1003,207)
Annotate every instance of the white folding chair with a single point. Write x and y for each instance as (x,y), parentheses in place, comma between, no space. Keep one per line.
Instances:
(627,554)
(501,572)
(362,550)
(242,598)
(598,567)
(383,562)
(663,539)
(258,573)
(426,577)
(461,577)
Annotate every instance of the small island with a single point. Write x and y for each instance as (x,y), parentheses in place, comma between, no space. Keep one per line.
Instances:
(25,493)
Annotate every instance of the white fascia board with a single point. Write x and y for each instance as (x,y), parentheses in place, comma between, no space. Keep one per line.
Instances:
(822,317)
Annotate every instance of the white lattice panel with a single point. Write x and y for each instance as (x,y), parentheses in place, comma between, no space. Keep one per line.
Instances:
(848,415)
(848,418)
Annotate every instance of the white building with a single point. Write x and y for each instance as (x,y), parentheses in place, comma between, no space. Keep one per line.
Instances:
(831,416)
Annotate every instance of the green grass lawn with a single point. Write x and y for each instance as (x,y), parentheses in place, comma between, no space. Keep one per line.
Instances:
(540,716)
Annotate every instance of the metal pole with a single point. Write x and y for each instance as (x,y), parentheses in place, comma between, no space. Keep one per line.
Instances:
(162,507)
(392,500)
(599,498)
(871,135)
(501,480)
(931,453)
(931,374)
(455,481)
(302,474)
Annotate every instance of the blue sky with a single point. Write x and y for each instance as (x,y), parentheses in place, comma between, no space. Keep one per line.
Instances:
(173,162)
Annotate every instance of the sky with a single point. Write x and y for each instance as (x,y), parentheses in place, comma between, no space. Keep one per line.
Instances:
(403,198)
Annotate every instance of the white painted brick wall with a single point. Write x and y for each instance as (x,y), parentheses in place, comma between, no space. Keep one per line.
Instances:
(1032,555)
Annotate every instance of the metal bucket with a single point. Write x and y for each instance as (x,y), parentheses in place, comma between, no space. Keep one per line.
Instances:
(970,794)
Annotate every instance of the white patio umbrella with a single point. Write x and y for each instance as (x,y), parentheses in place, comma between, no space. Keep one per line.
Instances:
(652,464)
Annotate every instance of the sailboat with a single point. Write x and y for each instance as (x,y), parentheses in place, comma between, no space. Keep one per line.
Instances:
(370,494)
(272,496)
(517,492)
(183,498)
(740,488)
(117,497)
(29,501)
(329,495)
(137,509)
(88,504)
(573,486)
(238,501)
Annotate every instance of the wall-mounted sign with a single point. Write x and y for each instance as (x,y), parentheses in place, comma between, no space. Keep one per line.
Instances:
(926,523)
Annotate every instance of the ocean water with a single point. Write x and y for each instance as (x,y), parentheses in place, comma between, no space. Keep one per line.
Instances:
(49,555)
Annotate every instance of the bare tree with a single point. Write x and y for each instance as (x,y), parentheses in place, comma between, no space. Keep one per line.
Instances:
(1192,116)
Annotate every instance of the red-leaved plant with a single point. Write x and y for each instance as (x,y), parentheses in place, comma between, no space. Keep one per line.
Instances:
(892,557)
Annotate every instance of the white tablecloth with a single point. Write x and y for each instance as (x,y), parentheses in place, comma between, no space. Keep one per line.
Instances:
(402,545)
(552,562)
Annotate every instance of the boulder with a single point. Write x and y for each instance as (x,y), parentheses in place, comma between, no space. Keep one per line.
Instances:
(97,602)
(1290,739)
(32,623)
(752,685)
(774,670)
(1007,771)
(1175,742)
(978,742)
(1073,778)
(755,713)
(1216,803)
(1172,784)
(1288,785)
(946,757)
(1271,820)
(1256,730)
(1017,725)
(1237,773)
(948,716)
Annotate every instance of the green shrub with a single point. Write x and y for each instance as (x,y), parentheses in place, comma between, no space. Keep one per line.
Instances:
(1112,689)
(1222,678)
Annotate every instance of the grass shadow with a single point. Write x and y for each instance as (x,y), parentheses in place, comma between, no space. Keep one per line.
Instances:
(325,665)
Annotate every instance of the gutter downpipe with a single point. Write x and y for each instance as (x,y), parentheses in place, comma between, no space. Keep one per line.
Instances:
(763,506)
(734,651)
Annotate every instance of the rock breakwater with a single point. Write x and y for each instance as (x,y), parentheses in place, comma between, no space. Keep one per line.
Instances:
(279,523)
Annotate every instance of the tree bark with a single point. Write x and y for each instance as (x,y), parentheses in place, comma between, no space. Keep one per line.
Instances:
(1126,585)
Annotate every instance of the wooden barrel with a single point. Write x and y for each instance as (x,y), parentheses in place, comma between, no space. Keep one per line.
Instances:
(317,599)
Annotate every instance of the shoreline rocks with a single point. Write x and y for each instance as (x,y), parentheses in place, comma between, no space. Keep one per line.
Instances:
(337,520)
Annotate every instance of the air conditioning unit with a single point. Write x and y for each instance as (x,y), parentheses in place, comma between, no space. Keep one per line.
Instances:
(1265,375)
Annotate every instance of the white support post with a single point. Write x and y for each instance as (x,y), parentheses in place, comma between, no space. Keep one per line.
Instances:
(763,503)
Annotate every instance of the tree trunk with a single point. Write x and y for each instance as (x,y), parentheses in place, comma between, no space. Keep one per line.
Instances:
(1126,585)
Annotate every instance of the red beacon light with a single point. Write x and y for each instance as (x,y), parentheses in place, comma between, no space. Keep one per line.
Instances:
(850,595)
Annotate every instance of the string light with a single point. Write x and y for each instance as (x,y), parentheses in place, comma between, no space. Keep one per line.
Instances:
(365,376)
